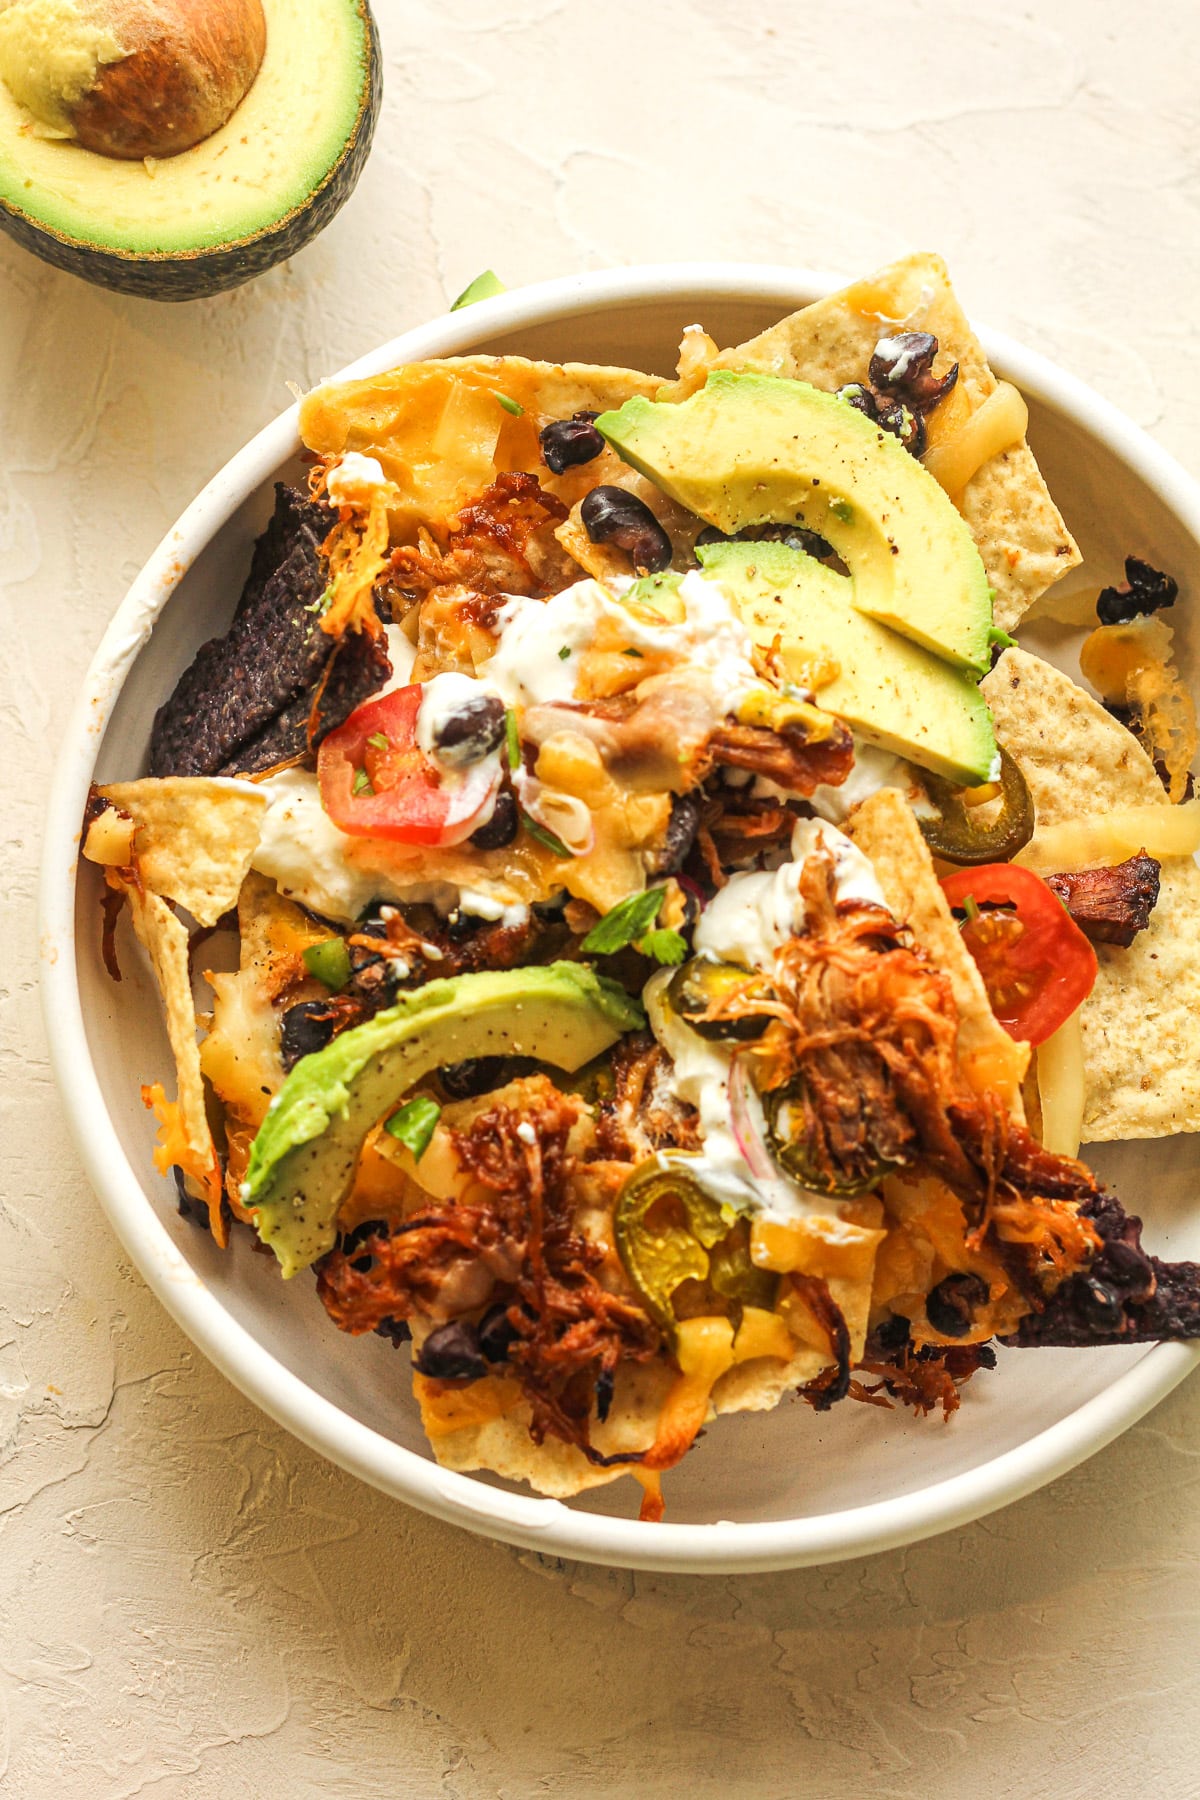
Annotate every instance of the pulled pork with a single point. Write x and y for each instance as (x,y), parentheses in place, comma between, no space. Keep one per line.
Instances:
(862,1045)
(502,543)
(643,1114)
(791,757)
(569,1332)
(924,1379)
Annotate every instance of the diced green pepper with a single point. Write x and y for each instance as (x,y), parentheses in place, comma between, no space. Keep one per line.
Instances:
(414,1123)
(329,962)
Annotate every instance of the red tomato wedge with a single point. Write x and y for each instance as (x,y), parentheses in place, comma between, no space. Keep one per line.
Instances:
(376,781)
(1036,964)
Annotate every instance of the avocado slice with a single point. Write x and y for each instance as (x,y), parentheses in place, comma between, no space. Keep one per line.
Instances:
(889,689)
(217,214)
(756,449)
(303,1160)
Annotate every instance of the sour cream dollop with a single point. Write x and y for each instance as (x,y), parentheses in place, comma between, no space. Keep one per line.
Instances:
(337,875)
(537,658)
(354,479)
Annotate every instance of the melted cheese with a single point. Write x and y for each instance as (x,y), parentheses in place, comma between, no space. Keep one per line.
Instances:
(1062,1087)
(997,425)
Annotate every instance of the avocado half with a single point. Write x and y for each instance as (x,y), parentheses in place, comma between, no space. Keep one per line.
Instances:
(232,206)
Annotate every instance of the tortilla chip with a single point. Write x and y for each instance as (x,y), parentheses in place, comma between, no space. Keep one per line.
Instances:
(443,430)
(886,832)
(502,1444)
(1024,544)
(1141,1022)
(194,838)
(165,941)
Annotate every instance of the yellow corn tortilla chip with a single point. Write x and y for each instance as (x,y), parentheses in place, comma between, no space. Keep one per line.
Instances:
(886,832)
(165,941)
(1141,1022)
(1024,544)
(194,838)
(502,1445)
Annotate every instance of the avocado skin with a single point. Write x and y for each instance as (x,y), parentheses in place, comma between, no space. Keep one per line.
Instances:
(307,1148)
(198,274)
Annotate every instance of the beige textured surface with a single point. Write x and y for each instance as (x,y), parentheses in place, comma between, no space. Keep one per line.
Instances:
(193,1606)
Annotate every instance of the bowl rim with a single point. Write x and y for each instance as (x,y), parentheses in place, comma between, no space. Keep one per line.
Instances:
(531,1522)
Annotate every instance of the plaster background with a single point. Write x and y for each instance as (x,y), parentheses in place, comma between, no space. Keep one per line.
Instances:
(191,1604)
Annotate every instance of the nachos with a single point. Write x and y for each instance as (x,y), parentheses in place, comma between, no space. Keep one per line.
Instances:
(680,939)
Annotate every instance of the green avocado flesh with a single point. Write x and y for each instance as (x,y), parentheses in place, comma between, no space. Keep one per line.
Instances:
(756,449)
(287,144)
(893,692)
(303,1160)
(484,287)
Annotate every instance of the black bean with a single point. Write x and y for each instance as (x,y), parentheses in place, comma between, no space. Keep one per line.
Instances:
(860,398)
(1100,1307)
(451,1353)
(395,1330)
(567,442)
(368,1229)
(306,1028)
(680,834)
(477,1075)
(497,1334)
(890,1335)
(903,365)
(503,825)
(1145,591)
(904,423)
(951,1306)
(900,360)
(472,731)
(612,515)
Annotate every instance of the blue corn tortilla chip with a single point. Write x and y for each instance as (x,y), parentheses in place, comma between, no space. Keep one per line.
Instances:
(1125,1296)
(357,669)
(273,653)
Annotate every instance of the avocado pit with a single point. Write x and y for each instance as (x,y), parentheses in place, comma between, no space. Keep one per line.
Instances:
(131,79)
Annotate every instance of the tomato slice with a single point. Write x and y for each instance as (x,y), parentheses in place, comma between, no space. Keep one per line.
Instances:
(376,781)
(1036,964)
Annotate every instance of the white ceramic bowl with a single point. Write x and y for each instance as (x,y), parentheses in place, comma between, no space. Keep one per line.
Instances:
(760,1491)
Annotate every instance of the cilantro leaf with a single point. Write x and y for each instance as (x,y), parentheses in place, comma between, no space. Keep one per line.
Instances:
(624,923)
(414,1123)
(664,946)
(543,836)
